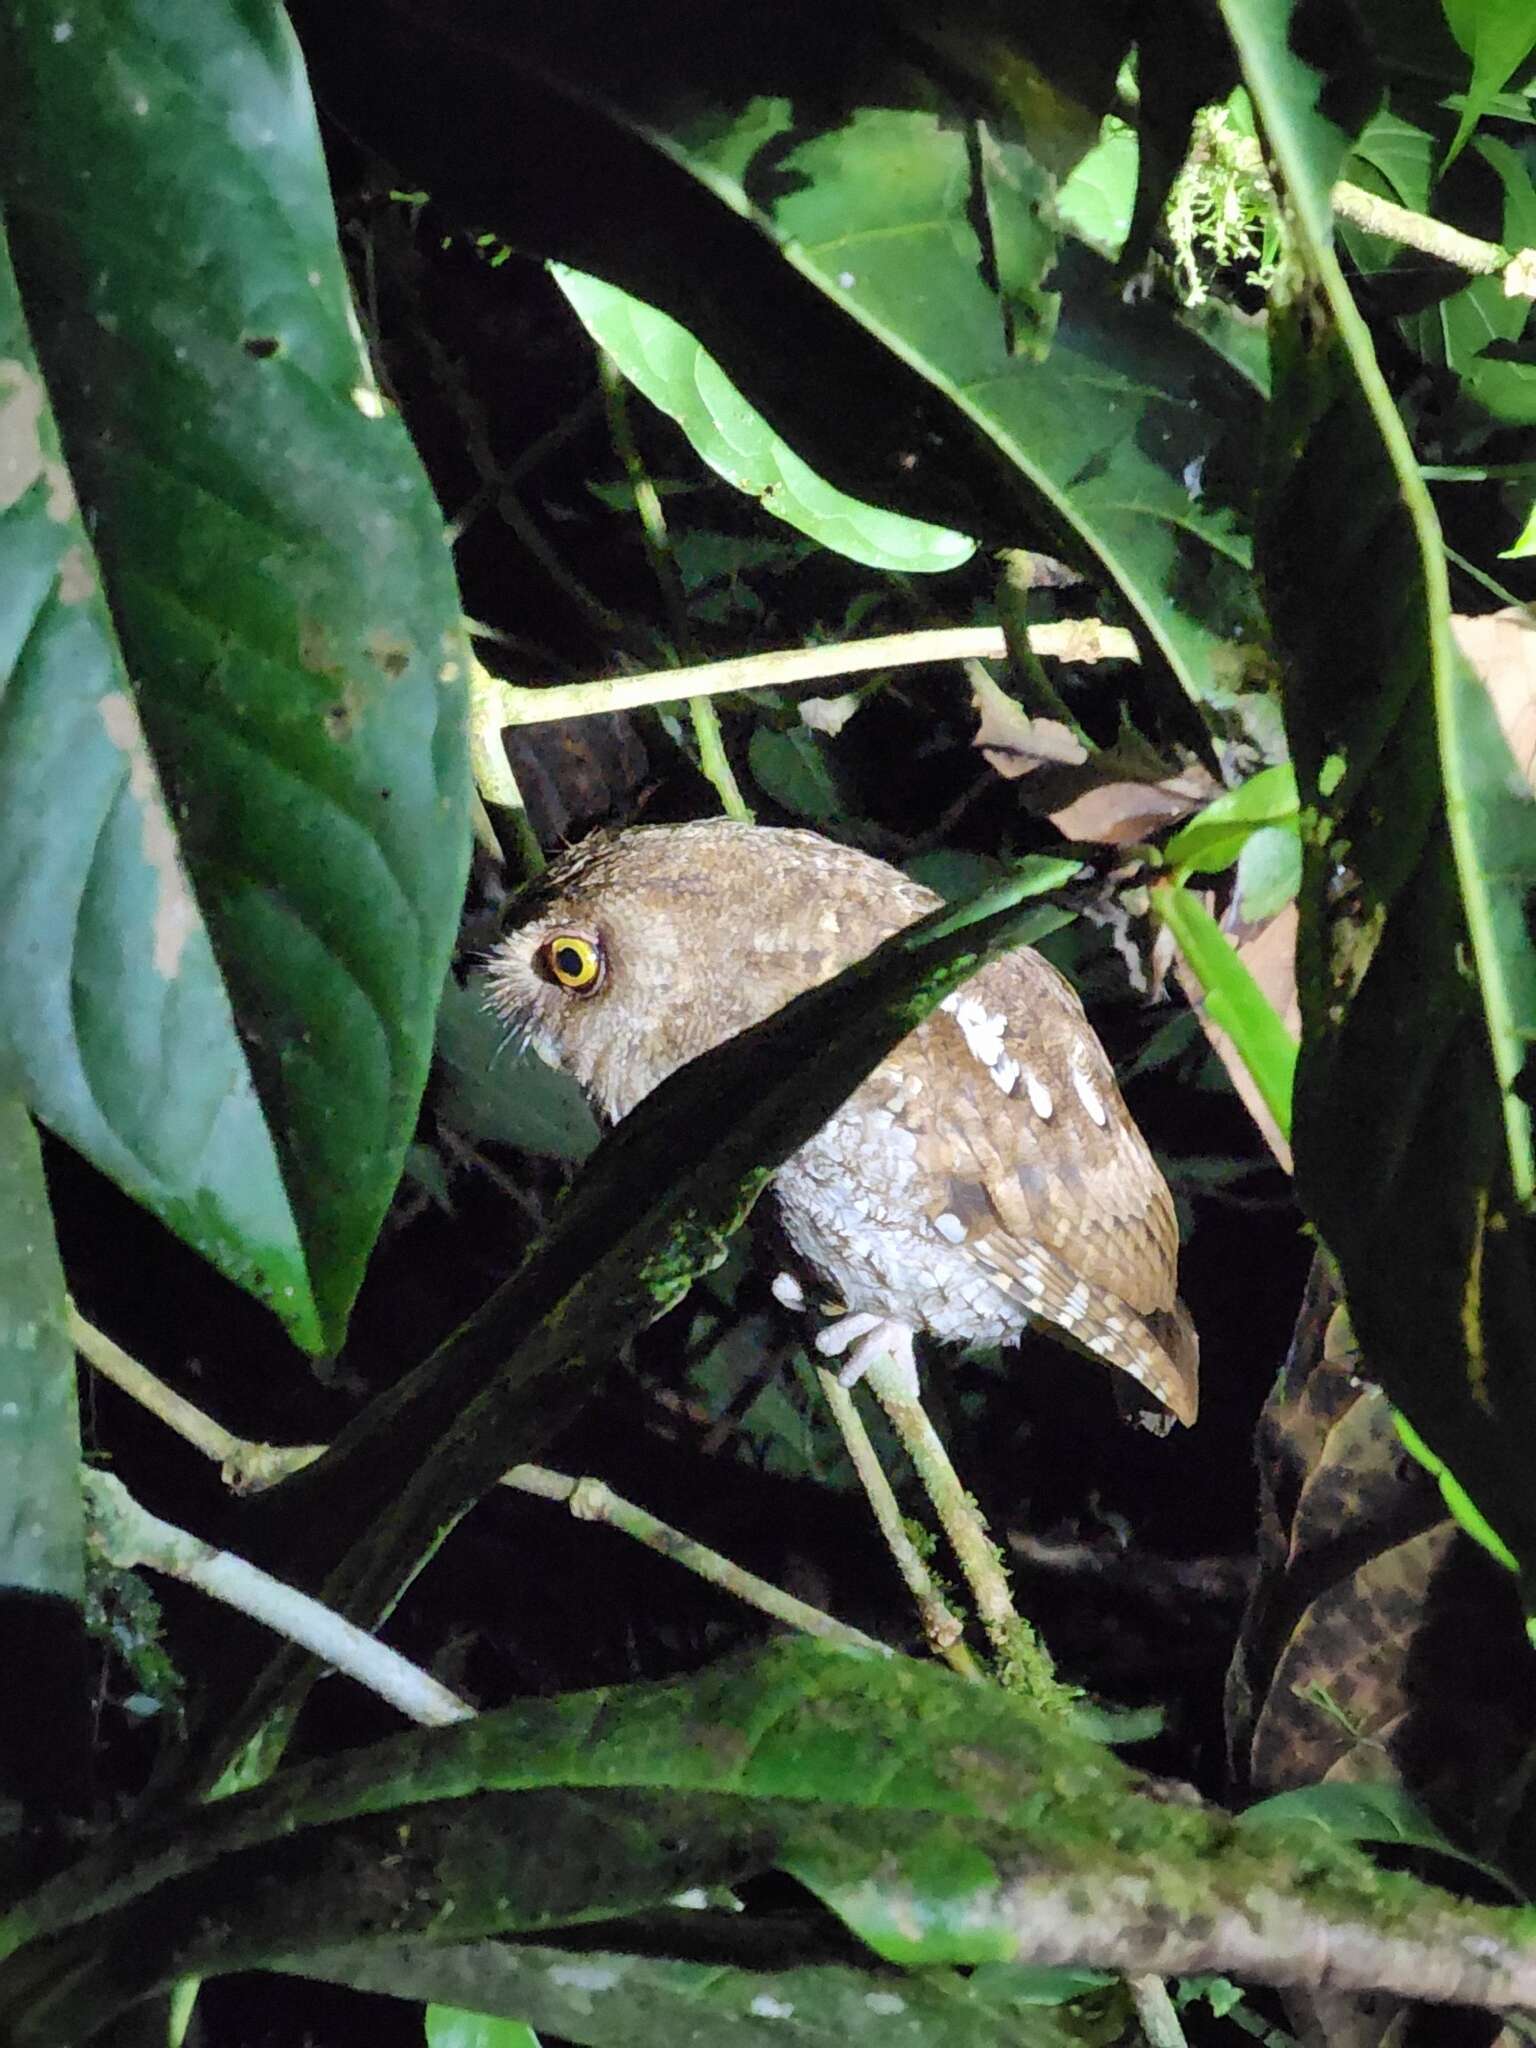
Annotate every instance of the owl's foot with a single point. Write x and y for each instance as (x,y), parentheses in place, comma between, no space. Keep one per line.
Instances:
(872,1340)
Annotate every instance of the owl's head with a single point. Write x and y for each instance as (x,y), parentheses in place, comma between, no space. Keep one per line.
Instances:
(639,950)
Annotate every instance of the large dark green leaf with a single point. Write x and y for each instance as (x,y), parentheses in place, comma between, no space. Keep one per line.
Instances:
(943,1822)
(110,990)
(277,583)
(1418,977)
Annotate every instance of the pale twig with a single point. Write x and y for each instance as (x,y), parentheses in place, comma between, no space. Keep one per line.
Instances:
(494,779)
(248,1467)
(1022,1660)
(591,1500)
(1419,231)
(942,1628)
(1155,2009)
(128,1535)
(1081,640)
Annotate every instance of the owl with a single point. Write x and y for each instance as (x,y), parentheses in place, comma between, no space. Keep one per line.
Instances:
(985,1177)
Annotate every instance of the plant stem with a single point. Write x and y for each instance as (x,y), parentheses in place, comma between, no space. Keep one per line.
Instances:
(658,547)
(941,1626)
(1022,1659)
(1419,231)
(128,1535)
(494,778)
(591,1500)
(1080,640)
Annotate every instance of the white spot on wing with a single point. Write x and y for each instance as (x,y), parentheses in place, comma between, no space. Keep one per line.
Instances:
(1075,1307)
(1039,1095)
(950,1226)
(1088,1096)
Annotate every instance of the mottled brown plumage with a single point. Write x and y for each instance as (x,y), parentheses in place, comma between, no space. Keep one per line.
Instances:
(986,1175)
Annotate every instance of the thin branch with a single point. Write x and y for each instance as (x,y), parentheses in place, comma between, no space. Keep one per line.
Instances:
(127,1535)
(1155,2010)
(1080,640)
(1022,1660)
(247,1467)
(494,779)
(713,759)
(1418,231)
(941,1626)
(591,1500)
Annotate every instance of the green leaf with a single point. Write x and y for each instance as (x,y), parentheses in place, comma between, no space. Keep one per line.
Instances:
(1525,545)
(1467,330)
(1105,430)
(120,988)
(446,2027)
(1381,1813)
(1099,198)
(277,582)
(45,1734)
(665,362)
(1417,971)
(42,1535)
(1233,998)
(1498,35)
(1268,872)
(1214,839)
(604,1998)
(944,1822)
(488,1088)
(793,768)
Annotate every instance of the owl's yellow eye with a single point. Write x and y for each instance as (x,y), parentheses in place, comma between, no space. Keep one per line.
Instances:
(573,963)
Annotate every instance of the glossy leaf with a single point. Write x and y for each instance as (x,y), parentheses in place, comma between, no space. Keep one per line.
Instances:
(1417,970)
(944,1822)
(112,987)
(448,2027)
(275,575)
(1233,998)
(1498,35)
(605,1999)
(1381,1813)
(44,1707)
(42,1535)
(1212,840)
(665,362)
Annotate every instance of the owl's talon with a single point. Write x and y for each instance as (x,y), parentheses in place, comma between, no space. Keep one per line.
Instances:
(877,1342)
(835,1339)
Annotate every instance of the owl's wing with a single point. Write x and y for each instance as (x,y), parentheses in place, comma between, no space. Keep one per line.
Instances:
(1041,1173)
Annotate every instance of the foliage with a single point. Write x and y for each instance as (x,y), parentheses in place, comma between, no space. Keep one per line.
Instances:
(954,298)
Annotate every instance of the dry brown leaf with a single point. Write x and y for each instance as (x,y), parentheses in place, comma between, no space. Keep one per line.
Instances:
(1014,743)
(1087,796)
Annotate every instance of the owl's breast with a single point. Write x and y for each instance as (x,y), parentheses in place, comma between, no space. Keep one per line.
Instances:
(854,1202)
